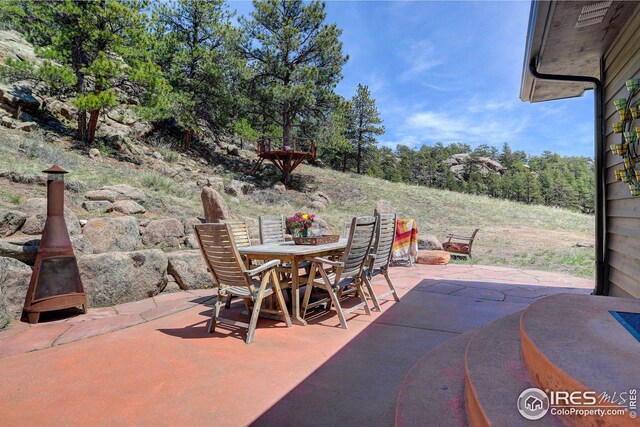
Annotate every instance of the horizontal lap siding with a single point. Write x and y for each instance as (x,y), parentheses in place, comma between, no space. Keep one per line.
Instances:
(622,62)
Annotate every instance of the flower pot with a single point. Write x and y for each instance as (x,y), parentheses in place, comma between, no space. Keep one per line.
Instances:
(621,104)
(618,127)
(633,85)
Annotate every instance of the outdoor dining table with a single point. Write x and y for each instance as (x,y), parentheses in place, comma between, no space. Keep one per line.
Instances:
(294,254)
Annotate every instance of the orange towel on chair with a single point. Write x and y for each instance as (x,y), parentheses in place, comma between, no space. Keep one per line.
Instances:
(405,245)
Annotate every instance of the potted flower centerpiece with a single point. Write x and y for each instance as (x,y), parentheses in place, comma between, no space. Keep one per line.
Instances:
(300,223)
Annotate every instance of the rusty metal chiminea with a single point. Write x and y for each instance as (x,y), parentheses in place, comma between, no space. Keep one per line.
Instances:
(55,282)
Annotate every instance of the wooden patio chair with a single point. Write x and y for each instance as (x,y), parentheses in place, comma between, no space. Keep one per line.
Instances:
(229,273)
(460,245)
(240,232)
(272,229)
(346,271)
(380,257)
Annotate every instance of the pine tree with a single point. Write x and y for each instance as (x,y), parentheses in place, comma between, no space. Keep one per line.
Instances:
(366,123)
(193,40)
(295,58)
(89,42)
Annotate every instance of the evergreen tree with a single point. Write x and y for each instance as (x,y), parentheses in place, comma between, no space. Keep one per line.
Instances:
(334,147)
(90,42)
(366,123)
(296,60)
(193,49)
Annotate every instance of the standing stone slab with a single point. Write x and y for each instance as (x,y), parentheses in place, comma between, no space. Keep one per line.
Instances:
(164,232)
(14,282)
(112,234)
(36,210)
(11,221)
(215,208)
(119,277)
(188,270)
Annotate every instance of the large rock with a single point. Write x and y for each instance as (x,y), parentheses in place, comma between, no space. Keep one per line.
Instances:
(11,221)
(14,46)
(36,210)
(429,242)
(459,164)
(14,282)
(127,192)
(81,246)
(112,234)
(238,188)
(20,247)
(164,232)
(19,96)
(127,207)
(215,208)
(189,270)
(97,206)
(119,277)
(101,195)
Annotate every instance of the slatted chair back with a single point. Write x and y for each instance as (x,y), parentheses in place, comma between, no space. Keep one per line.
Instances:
(360,236)
(272,229)
(239,231)
(383,241)
(221,254)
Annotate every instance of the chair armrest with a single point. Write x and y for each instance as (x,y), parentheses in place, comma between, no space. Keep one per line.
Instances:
(262,268)
(455,236)
(328,261)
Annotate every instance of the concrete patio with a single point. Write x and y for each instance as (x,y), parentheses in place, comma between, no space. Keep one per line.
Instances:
(152,362)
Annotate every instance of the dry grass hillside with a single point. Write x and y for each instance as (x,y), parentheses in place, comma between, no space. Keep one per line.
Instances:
(533,237)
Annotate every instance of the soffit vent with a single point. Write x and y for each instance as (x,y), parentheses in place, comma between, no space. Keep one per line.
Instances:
(593,13)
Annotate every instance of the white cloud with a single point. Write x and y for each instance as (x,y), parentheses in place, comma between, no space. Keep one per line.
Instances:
(420,57)
(433,126)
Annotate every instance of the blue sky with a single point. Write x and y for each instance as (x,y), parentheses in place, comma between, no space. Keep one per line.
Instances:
(450,71)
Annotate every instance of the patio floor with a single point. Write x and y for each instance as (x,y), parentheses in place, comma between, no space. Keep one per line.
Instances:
(152,362)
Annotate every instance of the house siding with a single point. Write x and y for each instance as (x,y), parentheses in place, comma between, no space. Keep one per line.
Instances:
(621,62)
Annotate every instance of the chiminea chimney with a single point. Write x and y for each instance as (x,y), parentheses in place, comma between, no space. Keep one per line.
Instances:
(55,282)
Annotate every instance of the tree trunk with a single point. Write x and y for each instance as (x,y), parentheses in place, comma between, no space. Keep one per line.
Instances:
(286,130)
(91,128)
(359,158)
(344,162)
(186,139)
(82,126)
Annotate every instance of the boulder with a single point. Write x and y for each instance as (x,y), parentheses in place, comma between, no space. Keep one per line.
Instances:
(215,208)
(164,232)
(19,96)
(318,205)
(20,247)
(279,187)
(26,126)
(189,223)
(98,206)
(81,246)
(14,282)
(127,192)
(60,108)
(322,225)
(101,195)
(36,210)
(94,153)
(433,257)
(13,45)
(164,169)
(383,207)
(429,242)
(122,115)
(11,221)
(189,270)
(322,197)
(118,277)
(112,234)
(127,207)
(237,188)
